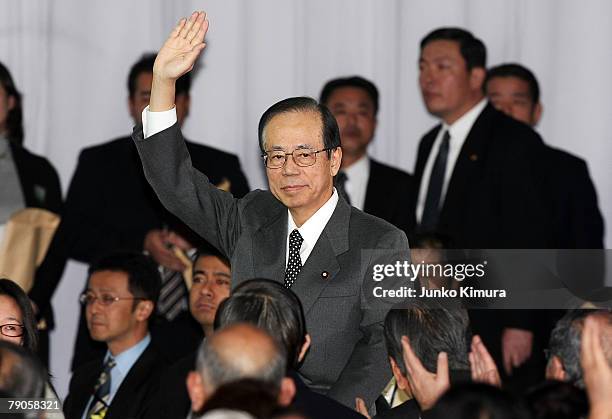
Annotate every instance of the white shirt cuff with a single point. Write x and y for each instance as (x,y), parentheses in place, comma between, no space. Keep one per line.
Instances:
(154,122)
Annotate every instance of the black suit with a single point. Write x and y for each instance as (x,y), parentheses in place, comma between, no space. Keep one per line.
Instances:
(110,206)
(39,182)
(496,199)
(389,195)
(133,396)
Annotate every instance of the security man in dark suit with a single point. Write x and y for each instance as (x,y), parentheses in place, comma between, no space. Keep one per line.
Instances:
(119,302)
(367,184)
(478,175)
(111,206)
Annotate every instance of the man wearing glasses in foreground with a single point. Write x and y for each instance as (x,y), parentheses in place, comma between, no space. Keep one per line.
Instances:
(119,301)
(299,233)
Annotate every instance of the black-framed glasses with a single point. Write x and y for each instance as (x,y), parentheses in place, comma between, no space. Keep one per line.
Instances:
(11,330)
(104,299)
(303,157)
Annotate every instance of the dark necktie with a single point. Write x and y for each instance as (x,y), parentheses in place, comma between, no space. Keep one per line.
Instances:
(173,295)
(431,212)
(294,264)
(101,393)
(341,179)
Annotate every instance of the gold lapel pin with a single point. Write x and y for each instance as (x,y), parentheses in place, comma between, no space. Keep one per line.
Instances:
(473,157)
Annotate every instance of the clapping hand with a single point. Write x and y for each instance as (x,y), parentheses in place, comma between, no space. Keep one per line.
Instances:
(482,365)
(596,370)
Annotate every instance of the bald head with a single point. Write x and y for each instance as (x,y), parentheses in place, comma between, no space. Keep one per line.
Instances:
(240,351)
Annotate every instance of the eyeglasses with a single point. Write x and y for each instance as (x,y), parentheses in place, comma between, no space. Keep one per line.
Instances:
(104,299)
(11,330)
(303,157)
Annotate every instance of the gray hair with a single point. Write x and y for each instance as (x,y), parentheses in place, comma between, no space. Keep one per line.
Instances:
(216,370)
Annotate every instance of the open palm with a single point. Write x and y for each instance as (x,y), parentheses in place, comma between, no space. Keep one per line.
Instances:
(180,51)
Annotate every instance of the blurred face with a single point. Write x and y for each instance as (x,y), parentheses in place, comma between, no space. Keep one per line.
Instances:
(449,90)
(6,104)
(301,189)
(211,285)
(114,323)
(511,96)
(354,111)
(142,95)
(11,320)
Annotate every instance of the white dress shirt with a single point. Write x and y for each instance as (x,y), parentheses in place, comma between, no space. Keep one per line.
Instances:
(154,122)
(356,185)
(312,228)
(458,131)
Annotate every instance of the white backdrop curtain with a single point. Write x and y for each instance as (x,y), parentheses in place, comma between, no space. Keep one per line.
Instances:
(70,58)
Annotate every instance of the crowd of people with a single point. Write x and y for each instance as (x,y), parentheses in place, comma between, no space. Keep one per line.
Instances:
(206,299)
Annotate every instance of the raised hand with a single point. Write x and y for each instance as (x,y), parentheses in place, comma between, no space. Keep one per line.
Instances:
(482,365)
(182,48)
(516,347)
(426,386)
(596,370)
(177,57)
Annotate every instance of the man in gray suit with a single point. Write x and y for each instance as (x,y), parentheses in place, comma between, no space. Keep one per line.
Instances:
(300,232)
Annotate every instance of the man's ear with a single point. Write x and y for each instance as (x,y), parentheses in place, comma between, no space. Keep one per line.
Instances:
(305,347)
(335,160)
(195,388)
(477,78)
(287,392)
(555,370)
(536,114)
(144,310)
(400,379)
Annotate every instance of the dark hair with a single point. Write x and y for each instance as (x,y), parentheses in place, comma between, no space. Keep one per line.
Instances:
(249,395)
(329,127)
(14,118)
(144,280)
(476,401)
(557,400)
(565,341)
(145,65)
(472,49)
(210,251)
(354,81)
(26,376)
(30,332)
(518,71)
(431,329)
(271,307)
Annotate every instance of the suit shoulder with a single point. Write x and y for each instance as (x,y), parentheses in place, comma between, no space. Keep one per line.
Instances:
(371,227)
(210,152)
(389,171)
(111,147)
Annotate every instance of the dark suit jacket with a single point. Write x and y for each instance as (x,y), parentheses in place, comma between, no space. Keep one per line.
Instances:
(347,357)
(111,206)
(133,396)
(578,221)
(173,399)
(389,195)
(494,196)
(39,181)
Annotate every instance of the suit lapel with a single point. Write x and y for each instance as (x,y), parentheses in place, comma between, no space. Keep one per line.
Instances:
(376,190)
(269,248)
(322,264)
(84,386)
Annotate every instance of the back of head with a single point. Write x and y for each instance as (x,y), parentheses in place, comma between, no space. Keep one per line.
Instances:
(472,49)
(21,374)
(557,400)
(431,329)
(329,127)
(245,395)
(144,280)
(565,341)
(30,332)
(518,71)
(478,401)
(14,117)
(271,307)
(240,351)
(354,82)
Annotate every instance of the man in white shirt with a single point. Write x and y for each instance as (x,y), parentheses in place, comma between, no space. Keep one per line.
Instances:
(299,233)
(478,174)
(371,186)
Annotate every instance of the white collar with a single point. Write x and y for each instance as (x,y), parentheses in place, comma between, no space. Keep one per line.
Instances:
(462,126)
